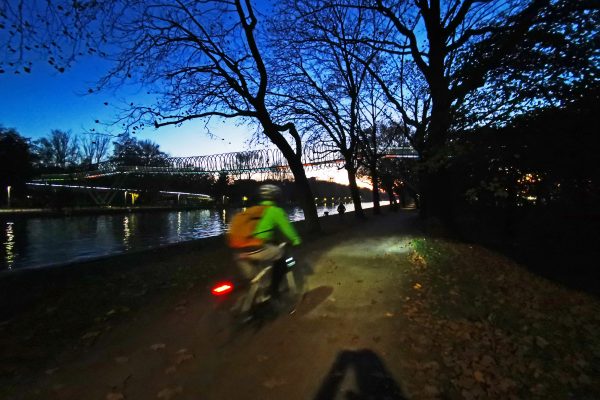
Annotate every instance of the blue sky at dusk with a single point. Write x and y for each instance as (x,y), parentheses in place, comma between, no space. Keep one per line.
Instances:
(36,103)
(45,99)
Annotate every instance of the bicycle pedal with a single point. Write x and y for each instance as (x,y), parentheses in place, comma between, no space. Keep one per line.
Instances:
(264,298)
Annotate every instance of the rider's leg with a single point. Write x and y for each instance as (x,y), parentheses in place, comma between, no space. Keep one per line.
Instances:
(247,268)
(278,272)
(274,255)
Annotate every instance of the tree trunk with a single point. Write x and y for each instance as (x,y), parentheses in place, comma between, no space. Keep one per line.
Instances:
(436,198)
(390,192)
(305,195)
(358,211)
(375,180)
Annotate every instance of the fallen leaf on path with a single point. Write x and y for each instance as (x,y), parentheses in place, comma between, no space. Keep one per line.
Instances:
(466,382)
(169,393)
(115,396)
(584,379)
(541,342)
(157,346)
(182,358)
(332,339)
(417,286)
(389,314)
(171,370)
(506,384)
(431,390)
(273,383)
(478,375)
(487,361)
(417,259)
(90,335)
(431,365)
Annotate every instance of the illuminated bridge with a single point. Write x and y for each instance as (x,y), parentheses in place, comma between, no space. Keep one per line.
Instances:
(268,163)
(265,161)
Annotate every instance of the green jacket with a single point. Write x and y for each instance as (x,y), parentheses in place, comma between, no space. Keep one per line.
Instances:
(275,218)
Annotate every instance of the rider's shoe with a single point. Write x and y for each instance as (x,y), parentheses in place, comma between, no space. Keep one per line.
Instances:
(277,304)
(246,318)
(264,298)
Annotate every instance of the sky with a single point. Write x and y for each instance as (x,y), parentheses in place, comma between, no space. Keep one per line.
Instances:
(45,99)
(37,102)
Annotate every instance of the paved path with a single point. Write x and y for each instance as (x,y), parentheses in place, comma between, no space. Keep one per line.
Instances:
(341,338)
(386,313)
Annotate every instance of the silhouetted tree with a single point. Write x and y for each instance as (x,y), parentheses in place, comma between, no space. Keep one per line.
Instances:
(60,150)
(94,148)
(221,187)
(453,45)
(129,151)
(200,60)
(15,163)
(320,79)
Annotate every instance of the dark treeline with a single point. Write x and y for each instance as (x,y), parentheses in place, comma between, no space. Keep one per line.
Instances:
(244,192)
(62,155)
(225,190)
(532,187)
(61,152)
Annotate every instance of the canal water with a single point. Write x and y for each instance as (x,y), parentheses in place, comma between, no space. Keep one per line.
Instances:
(33,242)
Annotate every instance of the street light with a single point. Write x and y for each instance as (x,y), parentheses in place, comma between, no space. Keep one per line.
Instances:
(8,196)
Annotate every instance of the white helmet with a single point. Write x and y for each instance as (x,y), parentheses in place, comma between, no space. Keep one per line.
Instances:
(269,192)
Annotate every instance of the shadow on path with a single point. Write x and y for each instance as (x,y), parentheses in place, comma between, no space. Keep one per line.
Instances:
(371,379)
(311,299)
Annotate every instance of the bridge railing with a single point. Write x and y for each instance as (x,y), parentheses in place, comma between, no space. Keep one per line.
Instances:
(253,161)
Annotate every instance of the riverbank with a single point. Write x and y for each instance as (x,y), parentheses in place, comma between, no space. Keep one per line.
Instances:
(34,242)
(46,311)
(70,211)
(388,309)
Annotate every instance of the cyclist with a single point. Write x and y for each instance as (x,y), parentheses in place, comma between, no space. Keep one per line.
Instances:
(272,227)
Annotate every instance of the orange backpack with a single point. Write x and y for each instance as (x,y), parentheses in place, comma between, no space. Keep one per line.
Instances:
(242,227)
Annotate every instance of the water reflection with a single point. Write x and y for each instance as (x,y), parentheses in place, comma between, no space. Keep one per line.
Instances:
(37,242)
(9,245)
(126,232)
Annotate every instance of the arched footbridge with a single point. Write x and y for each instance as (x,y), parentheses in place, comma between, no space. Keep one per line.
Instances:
(265,161)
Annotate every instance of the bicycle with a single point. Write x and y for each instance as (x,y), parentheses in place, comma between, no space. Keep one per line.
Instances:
(257,294)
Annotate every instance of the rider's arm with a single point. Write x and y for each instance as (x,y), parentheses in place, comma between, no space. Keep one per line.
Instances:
(281,220)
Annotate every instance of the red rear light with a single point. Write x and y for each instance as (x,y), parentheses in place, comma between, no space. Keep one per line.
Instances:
(222,288)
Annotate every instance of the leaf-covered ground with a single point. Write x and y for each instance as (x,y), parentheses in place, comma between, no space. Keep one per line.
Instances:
(386,310)
(488,328)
